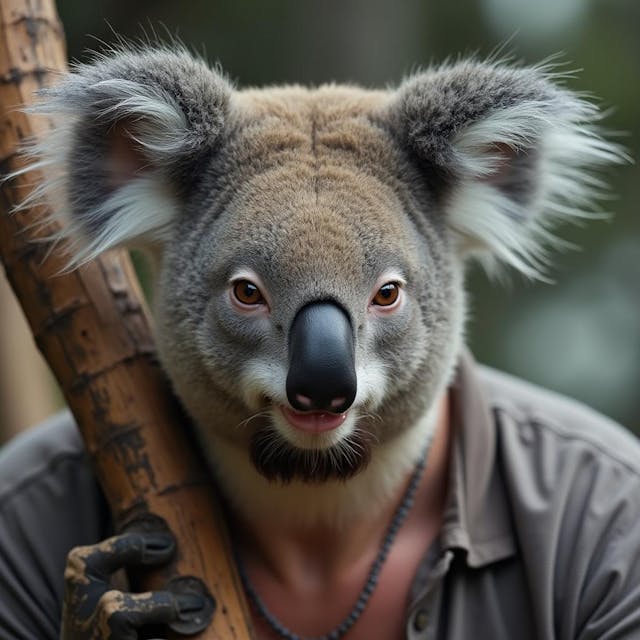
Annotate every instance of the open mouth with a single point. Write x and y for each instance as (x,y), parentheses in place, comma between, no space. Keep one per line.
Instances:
(313,421)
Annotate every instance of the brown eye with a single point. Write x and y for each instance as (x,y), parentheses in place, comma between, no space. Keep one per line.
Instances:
(387,294)
(247,293)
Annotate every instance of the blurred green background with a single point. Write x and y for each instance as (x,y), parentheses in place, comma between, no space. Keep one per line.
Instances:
(580,336)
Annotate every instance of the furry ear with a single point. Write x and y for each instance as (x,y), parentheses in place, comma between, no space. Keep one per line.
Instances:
(508,152)
(130,130)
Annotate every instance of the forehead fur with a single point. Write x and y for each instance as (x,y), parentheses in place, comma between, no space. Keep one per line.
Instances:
(312,126)
(297,104)
(321,180)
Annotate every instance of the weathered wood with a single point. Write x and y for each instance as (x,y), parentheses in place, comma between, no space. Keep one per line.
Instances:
(93,328)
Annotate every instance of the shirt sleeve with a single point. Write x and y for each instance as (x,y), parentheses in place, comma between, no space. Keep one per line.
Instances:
(49,503)
(610,603)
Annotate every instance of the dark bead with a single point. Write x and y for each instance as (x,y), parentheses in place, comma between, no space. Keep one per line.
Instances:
(420,620)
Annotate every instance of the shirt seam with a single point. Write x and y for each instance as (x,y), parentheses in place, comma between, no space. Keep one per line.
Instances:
(558,431)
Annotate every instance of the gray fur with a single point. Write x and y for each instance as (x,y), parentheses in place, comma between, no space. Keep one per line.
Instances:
(171,106)
(317,194)
(509,152)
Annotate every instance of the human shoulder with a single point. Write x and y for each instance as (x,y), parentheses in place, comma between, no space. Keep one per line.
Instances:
(572,477)
(536,412)
(45,473)
(562,461)
(36,453)
(49,503)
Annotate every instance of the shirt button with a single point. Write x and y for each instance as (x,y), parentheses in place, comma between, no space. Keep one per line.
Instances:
(420,620)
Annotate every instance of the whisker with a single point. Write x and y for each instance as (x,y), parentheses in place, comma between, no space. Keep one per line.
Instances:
(263,413)
(371,416)
(363,434)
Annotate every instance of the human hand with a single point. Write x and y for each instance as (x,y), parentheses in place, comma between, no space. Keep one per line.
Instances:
(94,610)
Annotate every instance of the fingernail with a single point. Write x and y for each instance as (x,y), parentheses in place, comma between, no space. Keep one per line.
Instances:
(158,541)
(157,547)
(190,602)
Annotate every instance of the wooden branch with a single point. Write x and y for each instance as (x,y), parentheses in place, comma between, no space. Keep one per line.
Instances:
(93,328)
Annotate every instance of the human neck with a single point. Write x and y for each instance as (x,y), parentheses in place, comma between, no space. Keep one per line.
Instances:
(297,551)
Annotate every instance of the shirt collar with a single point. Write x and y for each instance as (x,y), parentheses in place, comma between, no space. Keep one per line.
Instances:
(476,517)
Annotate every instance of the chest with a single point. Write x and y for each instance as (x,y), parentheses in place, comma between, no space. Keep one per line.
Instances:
(316,612)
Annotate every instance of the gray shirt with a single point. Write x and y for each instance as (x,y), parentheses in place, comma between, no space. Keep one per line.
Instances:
(541,534)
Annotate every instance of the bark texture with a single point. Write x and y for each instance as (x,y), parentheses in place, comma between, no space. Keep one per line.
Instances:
(93,328)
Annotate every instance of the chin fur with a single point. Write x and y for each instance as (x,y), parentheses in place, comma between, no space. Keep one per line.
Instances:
(279,460)
(333,501)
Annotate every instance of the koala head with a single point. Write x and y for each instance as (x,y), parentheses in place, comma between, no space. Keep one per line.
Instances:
(309,244)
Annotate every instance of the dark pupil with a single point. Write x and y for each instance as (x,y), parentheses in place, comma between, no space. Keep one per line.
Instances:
(250,290)
(387,290)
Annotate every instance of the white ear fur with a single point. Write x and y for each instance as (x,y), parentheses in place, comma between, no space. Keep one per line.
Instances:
(567,146)
(138,211)
(129,128)
(143,206)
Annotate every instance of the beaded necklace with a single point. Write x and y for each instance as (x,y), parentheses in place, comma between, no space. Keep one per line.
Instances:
(352,617)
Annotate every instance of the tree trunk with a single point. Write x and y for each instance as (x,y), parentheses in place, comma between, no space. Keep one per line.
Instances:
(93,328)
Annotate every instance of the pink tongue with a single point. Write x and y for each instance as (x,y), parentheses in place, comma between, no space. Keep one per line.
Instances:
(314,421)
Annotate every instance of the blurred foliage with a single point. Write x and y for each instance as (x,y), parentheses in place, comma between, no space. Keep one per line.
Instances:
(580,336)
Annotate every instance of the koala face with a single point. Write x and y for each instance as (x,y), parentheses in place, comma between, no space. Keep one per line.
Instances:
(310,244)
(308,220)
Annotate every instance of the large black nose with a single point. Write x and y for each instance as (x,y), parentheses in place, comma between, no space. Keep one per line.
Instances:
(322,373)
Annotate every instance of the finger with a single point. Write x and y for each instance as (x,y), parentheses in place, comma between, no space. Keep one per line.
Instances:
(128,550)
(97,562)
(123,613)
